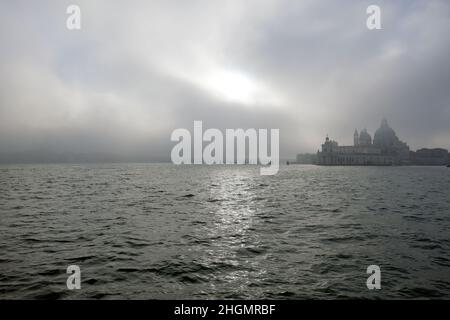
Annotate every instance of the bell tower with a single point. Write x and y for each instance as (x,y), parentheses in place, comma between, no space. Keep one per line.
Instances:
(356,138)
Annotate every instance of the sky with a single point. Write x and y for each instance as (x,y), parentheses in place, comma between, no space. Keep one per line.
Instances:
(137,70)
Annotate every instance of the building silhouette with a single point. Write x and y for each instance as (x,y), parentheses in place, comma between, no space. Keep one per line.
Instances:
(385,149)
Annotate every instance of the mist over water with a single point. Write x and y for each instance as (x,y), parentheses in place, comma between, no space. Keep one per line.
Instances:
(163,231)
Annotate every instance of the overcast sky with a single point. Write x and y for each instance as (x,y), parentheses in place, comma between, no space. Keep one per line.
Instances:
(137,70)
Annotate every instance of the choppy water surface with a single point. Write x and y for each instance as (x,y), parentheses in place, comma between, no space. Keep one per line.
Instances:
(162,231)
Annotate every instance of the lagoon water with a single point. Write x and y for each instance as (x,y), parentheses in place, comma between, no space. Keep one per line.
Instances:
(171,232)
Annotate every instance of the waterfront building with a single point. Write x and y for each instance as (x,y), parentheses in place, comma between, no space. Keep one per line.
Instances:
(385,149)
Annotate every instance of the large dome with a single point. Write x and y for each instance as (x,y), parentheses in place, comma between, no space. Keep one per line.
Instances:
(385,136)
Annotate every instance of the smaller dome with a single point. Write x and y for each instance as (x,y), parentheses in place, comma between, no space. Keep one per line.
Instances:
(364,138)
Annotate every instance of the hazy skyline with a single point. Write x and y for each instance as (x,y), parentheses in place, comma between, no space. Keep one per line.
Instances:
(138,70)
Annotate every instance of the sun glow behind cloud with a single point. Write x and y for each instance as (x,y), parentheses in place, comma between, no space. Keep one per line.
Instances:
(238,87)
(232,86)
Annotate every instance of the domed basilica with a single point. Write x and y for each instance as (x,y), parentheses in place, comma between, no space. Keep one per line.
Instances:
(385,149)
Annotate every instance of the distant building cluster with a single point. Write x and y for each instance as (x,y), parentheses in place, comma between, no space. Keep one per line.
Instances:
(385,149)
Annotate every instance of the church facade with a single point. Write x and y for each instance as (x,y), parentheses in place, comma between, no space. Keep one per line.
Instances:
(384,150)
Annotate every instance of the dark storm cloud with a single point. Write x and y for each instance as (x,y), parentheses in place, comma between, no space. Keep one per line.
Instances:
(135,72)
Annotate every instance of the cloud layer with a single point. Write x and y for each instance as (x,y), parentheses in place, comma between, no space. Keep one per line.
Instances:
(135,72)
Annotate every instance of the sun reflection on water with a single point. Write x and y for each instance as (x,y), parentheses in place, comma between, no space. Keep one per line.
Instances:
(233,238)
